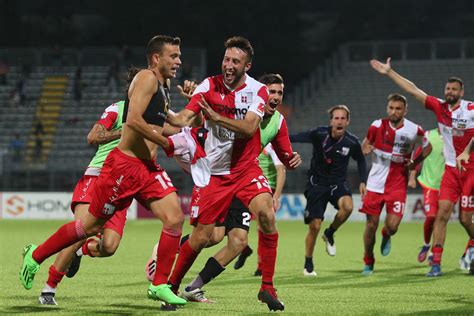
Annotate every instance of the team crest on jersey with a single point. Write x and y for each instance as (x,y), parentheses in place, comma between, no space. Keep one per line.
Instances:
(246,97)
(344,151)
(104,115)
(108,209)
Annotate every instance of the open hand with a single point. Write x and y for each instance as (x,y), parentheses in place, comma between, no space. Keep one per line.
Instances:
(187,89)
(381,67)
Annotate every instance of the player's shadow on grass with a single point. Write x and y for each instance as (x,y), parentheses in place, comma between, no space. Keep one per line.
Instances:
(29,309)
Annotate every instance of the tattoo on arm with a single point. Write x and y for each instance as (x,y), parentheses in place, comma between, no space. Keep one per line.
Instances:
(100,135)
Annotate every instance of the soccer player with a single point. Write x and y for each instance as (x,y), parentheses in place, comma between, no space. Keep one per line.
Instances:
(430,180)
(333,146)
(456,123)
(274,131)
(105,133)
(129,171)
(391,140)
(233,104)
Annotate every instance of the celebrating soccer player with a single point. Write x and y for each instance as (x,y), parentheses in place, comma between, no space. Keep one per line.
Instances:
(456,122)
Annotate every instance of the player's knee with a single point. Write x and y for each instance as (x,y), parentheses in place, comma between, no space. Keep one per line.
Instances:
(466,219)
(214,240)
(315,227)
(109,246)
(267,221)
(173,220)
(92,230)
(238,242)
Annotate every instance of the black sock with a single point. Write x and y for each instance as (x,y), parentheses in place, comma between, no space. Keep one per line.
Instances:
(183,239)
(308,264)
(247,251)
(330,231)
(211,270)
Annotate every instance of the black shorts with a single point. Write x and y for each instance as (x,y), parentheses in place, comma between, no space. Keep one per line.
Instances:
(318,196)
(238,217)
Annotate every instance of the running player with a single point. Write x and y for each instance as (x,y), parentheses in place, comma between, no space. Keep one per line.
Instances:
(105,133)
(392,141)
(274,131)
(130,171)
(456,123)
(234,106)
(430,179)
(333,146)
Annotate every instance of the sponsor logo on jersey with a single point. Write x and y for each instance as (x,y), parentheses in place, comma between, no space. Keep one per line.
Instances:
(224,109)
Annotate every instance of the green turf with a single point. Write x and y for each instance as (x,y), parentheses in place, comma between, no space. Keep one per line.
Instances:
(117,285)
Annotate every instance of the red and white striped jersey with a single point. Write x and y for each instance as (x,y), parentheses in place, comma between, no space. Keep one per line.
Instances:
(456,126)
(230,152)
(391,148)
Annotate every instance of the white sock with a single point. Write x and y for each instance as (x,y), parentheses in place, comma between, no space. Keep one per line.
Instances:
(48,289)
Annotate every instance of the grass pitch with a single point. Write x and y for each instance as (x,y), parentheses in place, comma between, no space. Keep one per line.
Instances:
(117,285)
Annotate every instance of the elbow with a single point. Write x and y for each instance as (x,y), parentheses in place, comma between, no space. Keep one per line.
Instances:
(249,132)
(91,139)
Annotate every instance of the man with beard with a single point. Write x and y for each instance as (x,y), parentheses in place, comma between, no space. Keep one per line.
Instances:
(233,103)
(333,146)
(391,140)
(456,122)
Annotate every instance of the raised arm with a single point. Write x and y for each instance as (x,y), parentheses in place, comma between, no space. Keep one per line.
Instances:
(402,82)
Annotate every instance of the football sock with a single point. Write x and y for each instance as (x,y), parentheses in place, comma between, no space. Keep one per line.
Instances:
(330,231)
(437,253)
(428,229)
(211,270)
(308,264)
(166,254)
(185,260)
(65,236)
(54,277)
(268,244)
(369,260)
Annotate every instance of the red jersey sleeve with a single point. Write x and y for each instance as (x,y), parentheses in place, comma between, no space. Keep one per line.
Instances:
(372,132)
(281,143)
(109,117)
(432,103)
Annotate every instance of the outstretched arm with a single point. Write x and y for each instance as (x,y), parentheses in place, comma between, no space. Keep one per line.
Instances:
(402,82)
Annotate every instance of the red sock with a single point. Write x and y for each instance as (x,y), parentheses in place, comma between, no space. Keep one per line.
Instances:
(369,260)
(428,229)
(185,260)
(470,243)
(437,254)
(54,277)
(85,248)
(267,248)
(65,236)
(166,255)
(259,258)
(385,234)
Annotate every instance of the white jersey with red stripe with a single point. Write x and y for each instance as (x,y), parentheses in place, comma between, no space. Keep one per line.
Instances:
(229,152)
(391,147)
(456,126)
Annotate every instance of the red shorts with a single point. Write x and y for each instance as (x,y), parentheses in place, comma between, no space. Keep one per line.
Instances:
(467,194)
(430,201)
(211,203)
(82,195)
(394,203)
(124,178)
(455,185)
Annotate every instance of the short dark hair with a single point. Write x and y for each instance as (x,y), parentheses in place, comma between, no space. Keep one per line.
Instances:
(156,44)
(458,80)
(241,43)
(267,79)
(339,107)
(397,97)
